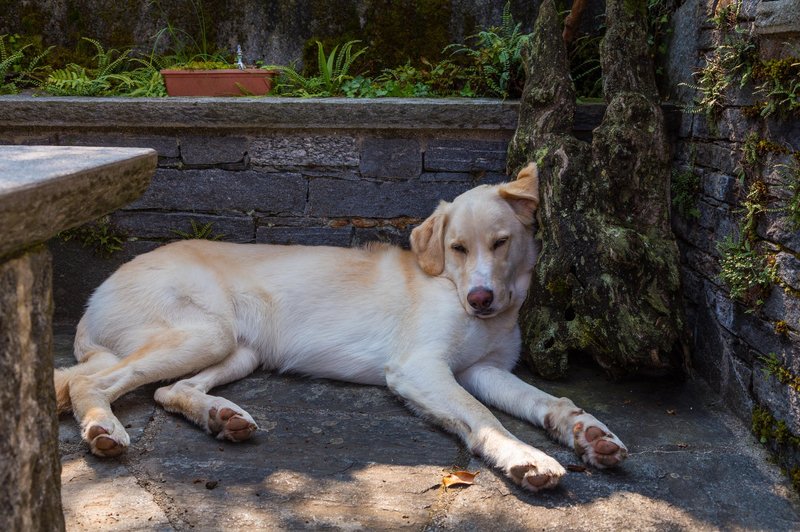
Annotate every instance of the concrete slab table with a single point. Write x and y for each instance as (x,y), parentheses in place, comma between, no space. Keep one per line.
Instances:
(44,190)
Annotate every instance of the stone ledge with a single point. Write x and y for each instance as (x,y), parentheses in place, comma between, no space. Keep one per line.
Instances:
(273,113)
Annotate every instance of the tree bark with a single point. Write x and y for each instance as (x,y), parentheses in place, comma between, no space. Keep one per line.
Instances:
(607,279)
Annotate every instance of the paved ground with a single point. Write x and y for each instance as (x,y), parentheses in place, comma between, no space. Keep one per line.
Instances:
(343,456)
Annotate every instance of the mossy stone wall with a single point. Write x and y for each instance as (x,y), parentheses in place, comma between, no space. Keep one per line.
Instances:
(274,32)
(748,348)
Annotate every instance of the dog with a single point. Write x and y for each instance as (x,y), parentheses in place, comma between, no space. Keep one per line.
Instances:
(436,324)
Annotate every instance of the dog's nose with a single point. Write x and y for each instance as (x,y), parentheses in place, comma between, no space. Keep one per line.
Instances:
(480,298)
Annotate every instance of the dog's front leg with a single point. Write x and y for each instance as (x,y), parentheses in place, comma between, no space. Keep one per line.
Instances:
(430,388)
(564,421)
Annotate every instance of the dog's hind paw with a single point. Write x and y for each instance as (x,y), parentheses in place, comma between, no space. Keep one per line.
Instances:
(596,445)
(106,441)
(227,424)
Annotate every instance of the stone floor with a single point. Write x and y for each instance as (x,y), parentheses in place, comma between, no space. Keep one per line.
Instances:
(342,456)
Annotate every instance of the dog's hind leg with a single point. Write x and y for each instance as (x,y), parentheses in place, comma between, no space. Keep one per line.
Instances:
(216,415)
(164,354)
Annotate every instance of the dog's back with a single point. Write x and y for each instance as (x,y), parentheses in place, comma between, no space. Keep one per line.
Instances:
(321,311)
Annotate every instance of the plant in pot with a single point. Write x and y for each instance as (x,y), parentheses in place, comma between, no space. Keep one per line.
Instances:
(218,78)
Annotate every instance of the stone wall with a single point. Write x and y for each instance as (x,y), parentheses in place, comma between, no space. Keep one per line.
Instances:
(273,32)
(748,351)
(336,172)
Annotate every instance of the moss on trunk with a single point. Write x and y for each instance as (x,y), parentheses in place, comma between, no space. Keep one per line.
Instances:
(607,280)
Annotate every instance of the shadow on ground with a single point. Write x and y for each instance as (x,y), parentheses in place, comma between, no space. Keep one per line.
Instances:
(342,456)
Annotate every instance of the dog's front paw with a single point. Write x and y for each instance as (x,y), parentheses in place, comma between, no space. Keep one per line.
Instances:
(596,445)
(228,424)
(106,438)
(535,471)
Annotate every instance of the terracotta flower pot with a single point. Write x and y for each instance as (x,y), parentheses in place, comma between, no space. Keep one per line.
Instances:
(233,82)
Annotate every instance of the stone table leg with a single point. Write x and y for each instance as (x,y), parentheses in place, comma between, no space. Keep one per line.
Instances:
(30,488)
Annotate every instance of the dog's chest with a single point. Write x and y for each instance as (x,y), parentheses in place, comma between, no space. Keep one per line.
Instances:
(481,340)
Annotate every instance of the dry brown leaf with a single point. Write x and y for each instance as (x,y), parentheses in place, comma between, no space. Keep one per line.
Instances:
(459,478)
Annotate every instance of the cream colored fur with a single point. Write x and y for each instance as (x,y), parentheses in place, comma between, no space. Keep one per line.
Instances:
(215,312)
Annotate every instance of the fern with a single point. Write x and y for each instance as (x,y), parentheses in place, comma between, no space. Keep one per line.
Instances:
(15,73)
(334,73)
(112,75)
(200,232)
(497,56)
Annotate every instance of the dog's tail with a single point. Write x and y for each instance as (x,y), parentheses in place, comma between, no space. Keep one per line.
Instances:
(91,359)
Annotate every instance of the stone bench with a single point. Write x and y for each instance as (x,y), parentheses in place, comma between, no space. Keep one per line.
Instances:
(44,190)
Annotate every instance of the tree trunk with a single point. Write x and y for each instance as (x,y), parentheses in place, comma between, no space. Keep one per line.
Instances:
(607,280)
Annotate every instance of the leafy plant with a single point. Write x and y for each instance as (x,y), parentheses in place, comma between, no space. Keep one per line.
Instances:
(659,32)
(733,59)
(585,68)
(204,65)
(685,190)
(112,75)
(334,72)
(182,46)
(747,272)
(790,175)
(444,78)
(16,70)
(496,57)
(200,232)
(779,84)
(773,367)
(100,236)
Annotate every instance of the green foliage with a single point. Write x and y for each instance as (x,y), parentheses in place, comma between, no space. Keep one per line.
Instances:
(774,368)
(333,73)
(199,232)
(732,60)
(100,236)
(659,32)
(444,78)
(783,442)
(19,68)
(754,204)
(768,429)
(792,175)
(204,65)
(585,68)
(746,271)
(496,57)
(113,74)
(685,193)
(778,82)
(744,267)
(182,46)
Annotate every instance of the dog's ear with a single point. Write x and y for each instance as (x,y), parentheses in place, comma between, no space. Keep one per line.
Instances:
(523,194)
(427,241)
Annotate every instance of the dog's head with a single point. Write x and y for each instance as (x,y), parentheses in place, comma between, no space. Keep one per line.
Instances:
(482,242)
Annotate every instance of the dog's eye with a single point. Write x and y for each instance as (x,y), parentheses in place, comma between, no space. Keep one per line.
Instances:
(499,242)
(459,248)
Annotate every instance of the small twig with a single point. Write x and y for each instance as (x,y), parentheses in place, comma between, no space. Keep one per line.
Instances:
(573,20)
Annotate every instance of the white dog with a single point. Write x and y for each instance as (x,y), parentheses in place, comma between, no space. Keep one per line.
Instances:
(437,325)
